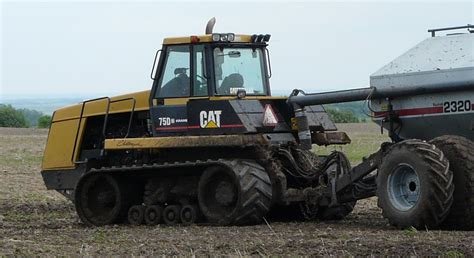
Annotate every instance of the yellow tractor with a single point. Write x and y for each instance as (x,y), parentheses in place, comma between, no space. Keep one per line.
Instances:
(209,144)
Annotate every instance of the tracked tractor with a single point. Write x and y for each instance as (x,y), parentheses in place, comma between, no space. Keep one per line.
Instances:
(209,144)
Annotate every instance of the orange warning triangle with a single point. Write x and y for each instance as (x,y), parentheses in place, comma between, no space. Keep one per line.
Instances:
(269,117)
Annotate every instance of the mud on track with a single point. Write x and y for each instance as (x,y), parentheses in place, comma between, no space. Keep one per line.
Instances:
(36,221)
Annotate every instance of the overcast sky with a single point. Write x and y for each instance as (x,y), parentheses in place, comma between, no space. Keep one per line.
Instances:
(92,48)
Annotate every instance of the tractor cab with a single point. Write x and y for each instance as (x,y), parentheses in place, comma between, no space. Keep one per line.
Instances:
(196,78)
(219,64)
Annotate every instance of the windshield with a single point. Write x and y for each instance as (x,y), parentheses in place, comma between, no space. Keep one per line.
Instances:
(239,68)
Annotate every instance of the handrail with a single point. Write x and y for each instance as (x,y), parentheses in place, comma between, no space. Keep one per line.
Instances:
(433,31)
(134,101)
(106,117)
(80,121)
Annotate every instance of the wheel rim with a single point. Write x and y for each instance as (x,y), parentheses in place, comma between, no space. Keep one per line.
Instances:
(153,215)
(100,200)
(219,194)
(188,214)
(171,214)
(404,187)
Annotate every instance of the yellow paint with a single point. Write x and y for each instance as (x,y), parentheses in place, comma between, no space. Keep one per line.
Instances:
(183,141)
(202,39)
(60,144)
(99,107)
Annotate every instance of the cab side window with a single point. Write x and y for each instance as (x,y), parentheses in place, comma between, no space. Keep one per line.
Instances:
(200,77)
(175,76)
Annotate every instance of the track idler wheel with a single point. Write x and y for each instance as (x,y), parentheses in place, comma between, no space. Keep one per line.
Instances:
(152,214)
(171,214)
(235,192)
(101,199)
(414,185)
(189,214)
(136,215)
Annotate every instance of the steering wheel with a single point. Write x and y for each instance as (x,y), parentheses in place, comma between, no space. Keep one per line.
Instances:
(202,84)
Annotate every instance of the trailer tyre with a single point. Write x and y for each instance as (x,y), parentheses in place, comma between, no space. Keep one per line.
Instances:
(414,185)
(460,153)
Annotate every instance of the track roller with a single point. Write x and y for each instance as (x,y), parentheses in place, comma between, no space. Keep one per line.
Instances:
(171,214)
(189,214)
(136,215)
(153,214)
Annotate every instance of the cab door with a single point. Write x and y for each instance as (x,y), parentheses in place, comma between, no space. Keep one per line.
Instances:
(181,77)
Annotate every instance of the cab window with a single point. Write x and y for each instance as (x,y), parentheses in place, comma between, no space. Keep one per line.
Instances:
(239,69)
(174,81)
(200,77)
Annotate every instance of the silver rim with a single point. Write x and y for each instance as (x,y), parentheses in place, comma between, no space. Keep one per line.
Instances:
(404,187)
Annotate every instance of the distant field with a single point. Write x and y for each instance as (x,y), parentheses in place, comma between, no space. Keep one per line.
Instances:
(366,139)
(34,221)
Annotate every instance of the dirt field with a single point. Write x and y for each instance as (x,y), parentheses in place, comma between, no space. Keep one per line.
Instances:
(40,222)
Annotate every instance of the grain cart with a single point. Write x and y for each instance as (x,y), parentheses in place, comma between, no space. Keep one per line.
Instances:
(208,143)
(428,94)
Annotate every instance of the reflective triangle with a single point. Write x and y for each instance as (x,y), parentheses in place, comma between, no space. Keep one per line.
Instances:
(269,117)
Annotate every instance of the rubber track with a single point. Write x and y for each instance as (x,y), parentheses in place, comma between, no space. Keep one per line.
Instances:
(442,187)
(255,183)
(460,152)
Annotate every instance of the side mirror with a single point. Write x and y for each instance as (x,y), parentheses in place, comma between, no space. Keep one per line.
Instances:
(234,54)
(155,65)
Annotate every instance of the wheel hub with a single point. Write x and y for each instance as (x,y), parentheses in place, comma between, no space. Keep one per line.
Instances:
(225,194)
(404,187)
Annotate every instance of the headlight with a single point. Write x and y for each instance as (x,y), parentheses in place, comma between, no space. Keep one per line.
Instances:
(223,37)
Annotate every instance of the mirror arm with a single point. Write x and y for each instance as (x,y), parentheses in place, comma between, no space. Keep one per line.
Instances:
(154,64)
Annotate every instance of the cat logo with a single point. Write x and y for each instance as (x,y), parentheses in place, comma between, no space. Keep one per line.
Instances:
(210,119)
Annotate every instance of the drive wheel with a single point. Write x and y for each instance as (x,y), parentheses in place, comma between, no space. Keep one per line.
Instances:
(153,214)
(414,185)
(100,199)
(136,215)
(460,153)
(171,214)
(236,192)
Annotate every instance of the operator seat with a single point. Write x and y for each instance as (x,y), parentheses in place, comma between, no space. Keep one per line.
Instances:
(178,86)
(234,80)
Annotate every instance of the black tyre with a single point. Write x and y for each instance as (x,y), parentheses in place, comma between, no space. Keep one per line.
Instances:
(153,214)
(189,214)
(234,193)
(460,153)
(136,215)
(101,199)
(171,214)
(414,185)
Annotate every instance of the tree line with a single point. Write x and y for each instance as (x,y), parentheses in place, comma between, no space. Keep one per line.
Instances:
(22,118)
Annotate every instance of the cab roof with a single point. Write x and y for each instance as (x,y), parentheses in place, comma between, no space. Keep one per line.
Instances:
(239,38)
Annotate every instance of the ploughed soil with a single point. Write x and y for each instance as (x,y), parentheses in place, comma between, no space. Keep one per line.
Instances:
(34,221)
